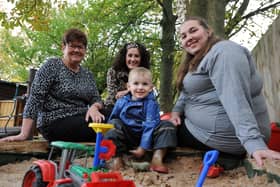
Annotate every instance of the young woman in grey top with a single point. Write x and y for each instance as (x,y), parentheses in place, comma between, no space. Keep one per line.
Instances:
(63,97)
(221,105)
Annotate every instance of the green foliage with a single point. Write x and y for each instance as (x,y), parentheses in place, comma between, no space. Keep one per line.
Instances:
(108,24)
(12,49)
(35,14)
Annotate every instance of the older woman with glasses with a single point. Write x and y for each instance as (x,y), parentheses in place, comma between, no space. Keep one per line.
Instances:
(63,97)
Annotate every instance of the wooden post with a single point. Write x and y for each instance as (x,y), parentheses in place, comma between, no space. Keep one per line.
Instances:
(32,73)
(31,77)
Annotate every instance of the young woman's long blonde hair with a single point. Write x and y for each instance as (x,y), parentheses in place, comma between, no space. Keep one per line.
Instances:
(192,61)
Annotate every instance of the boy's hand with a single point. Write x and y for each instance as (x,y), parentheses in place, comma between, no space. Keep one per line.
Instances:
(138,153)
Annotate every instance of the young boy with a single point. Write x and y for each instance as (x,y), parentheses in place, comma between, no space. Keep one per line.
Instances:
(137,123)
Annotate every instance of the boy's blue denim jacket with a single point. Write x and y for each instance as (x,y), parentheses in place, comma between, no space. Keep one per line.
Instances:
(142,116)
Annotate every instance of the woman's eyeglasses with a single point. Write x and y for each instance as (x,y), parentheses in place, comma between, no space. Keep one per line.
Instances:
(79,47)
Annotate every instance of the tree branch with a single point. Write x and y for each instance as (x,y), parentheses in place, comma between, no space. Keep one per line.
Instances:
(238,29)
(259,10)
(236,18)
(235,21)
(241,10)
(160,3)
(227,1)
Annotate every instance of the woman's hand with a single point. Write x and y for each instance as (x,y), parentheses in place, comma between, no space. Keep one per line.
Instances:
(94,114)
(175,118)
(121,93)
(138,153)
(19,137)
(259,155)
(26,130)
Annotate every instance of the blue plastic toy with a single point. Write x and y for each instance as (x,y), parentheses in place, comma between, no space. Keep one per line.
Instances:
(209,159)
(100,150)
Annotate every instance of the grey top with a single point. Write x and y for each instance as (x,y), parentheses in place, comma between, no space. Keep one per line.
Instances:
(58,92)
(223,103)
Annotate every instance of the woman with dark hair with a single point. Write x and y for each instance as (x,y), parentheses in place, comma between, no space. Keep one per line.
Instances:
(131,55)
(220,105)
(63,97)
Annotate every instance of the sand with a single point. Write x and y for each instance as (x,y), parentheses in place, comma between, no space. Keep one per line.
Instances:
(184,172)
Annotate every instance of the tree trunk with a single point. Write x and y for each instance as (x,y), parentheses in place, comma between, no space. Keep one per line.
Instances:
(211,10)
(167,43)
(198,8)
(216,16)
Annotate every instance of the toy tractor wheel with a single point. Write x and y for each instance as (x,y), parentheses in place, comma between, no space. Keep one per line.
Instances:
(33,178)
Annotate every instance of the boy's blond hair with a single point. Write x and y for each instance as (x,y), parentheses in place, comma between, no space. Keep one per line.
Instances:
(140,71)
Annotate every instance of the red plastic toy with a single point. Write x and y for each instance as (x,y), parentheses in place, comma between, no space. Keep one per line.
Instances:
(274,142)
(112,179)
(67,173)
(165,116)
(214,171)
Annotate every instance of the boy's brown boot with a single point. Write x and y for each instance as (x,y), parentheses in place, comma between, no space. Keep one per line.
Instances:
(157,161)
